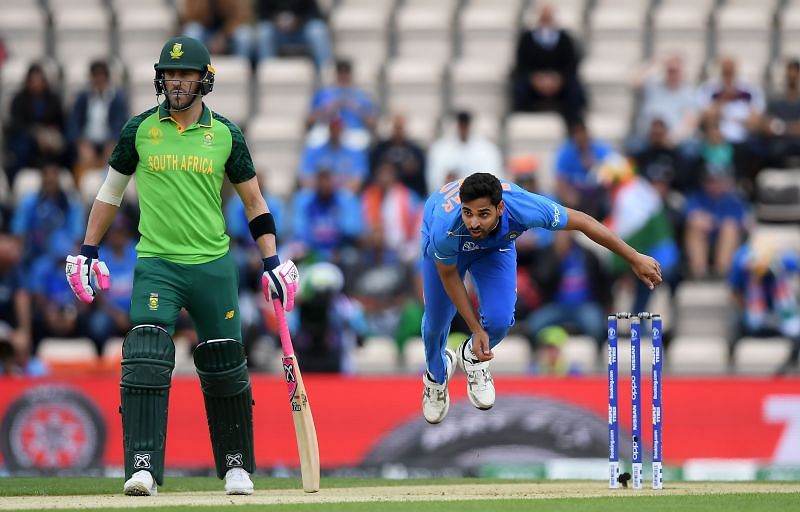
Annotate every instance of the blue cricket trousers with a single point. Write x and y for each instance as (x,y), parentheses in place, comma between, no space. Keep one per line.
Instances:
(494,274)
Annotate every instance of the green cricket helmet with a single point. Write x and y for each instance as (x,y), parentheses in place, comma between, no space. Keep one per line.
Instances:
(185,53)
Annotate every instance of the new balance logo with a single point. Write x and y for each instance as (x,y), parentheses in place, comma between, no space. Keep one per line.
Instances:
(141,460)
(233,460)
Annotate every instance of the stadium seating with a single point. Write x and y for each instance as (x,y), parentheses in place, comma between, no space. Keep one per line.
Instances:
(427,59)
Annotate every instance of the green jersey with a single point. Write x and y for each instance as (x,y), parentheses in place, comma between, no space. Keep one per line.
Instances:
(179,174)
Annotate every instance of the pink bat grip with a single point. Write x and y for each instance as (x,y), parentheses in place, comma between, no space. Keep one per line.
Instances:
(283,328)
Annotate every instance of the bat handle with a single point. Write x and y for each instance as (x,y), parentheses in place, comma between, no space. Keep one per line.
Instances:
(283,328)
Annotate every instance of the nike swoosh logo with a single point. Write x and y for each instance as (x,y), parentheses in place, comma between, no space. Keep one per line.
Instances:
(439,257)
(504,250)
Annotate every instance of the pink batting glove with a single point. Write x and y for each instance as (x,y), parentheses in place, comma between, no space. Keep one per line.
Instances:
(80,270)
(281,283)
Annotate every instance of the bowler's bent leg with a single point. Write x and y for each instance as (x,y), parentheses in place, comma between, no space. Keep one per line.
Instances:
(439,313)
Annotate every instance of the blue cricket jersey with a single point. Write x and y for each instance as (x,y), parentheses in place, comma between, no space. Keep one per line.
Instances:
(445,237)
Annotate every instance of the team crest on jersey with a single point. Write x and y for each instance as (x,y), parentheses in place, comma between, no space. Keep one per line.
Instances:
(513,235)
(470,246)
(153,303)
(177,51)
(156,135)
(208,139)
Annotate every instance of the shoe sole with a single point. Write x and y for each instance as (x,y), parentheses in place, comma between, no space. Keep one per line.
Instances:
(239,492)
(137,489)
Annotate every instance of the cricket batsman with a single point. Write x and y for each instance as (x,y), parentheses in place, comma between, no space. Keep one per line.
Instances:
(180,151)
(471,225)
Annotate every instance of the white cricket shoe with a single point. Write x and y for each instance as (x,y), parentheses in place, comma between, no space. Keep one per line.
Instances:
(140,483)
(480,384)
(237,481)
(435,397)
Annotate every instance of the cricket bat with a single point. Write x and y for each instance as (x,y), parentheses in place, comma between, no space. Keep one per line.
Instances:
(304,429)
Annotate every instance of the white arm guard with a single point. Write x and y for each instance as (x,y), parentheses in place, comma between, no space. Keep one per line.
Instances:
(113,188)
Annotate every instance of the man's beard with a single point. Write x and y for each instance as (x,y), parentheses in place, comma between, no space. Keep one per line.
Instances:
(183,100)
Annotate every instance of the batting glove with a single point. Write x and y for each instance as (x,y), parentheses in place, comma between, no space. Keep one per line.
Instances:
(279,281)
(81,269)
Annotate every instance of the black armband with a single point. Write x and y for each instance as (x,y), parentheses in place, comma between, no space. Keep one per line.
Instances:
(263,224)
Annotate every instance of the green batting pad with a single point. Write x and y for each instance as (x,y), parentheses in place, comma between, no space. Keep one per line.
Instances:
(222,368)
(148,358)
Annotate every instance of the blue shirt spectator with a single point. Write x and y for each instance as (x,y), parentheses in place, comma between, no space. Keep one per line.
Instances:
(727,206)
(345,100)
(348,165)
(41,215)
(576,158)
(327,218)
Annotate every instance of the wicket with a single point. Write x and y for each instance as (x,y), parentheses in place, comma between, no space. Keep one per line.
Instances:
(636,402)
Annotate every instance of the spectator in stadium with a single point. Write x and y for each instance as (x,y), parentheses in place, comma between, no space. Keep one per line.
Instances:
(330,323)
(222,25)
(766,303)
(393,210)
(576,184)
(327,219)
(660,162)
(35,128)
(348,164)
(457,156)
(406,154)
(716,217)
(43,214)
(15,313)
(637,215)
(546,70)
(781,123)
(292,22)
(55,313)
(737,106)
(345,100)
(109,313)
(537,262)
(549,358)
(669,99)
(96,120)
(575,293)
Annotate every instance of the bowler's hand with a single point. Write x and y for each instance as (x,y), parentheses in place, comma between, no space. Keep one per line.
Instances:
(80,271)
(480,346)
(280,281)
(647,269)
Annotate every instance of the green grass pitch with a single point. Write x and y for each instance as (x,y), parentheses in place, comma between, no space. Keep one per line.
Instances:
(443,495)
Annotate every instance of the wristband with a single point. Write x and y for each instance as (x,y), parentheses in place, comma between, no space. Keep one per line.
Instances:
(261,225)
(271,262)
(90,251)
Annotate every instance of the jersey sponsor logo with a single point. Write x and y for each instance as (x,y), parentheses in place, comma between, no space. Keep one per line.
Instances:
(470,246)
(229,315)
(556,216)
(208,139)
(183,163)
(177,51)
(153,303)
(156,135)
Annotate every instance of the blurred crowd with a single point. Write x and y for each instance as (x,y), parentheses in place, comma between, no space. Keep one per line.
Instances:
(680,190)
